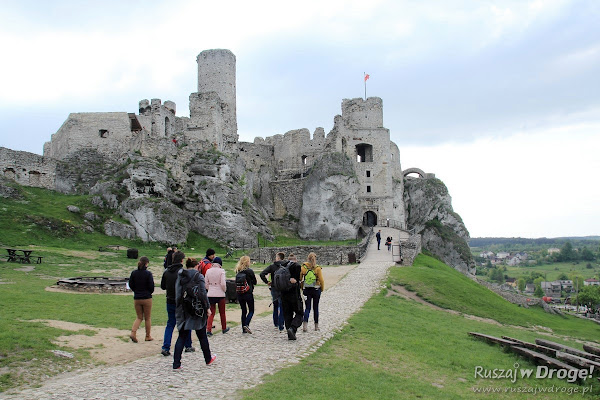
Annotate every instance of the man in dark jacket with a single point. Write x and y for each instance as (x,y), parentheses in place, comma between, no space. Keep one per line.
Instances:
(291,301)
(168,283)
(169,256)
(277,309)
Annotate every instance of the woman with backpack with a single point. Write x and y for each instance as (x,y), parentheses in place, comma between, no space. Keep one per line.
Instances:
(141,283)
(313,284)
(245,280)
(217,286)
(191,312)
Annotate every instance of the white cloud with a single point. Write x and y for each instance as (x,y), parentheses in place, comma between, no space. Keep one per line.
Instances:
(531,184)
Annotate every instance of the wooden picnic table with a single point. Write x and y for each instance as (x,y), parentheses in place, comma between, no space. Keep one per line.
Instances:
(25,257)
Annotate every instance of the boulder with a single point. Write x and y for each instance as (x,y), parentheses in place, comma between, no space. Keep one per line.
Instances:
(90,216)
(73,209)
(114,228)
(330,208)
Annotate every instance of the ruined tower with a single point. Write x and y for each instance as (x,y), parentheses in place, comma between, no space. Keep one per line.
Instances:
(216,93)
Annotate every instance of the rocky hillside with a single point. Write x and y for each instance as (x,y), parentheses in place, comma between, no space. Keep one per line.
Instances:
(429,211)
(164,198)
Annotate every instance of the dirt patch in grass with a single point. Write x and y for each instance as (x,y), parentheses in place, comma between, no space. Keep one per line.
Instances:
(88,255)
(112,346)
(27,268)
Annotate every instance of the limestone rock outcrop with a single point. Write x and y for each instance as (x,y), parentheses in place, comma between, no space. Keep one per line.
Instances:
(429,211)
(114,228)
(330,206)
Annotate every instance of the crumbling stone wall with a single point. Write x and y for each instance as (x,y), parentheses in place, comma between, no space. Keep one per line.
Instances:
(410,249)
(326,255)
(287,197)
(28,169)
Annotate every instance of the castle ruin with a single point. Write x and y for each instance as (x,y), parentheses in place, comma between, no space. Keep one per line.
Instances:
(273,171)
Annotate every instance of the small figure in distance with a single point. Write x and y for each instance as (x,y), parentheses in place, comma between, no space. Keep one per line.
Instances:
(378,237)
(189,280)
(141,283)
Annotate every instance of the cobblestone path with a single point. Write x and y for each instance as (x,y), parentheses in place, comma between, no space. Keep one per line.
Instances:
(241,359)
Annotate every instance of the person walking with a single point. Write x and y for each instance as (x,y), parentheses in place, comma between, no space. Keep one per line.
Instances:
(169,256)
(313,284)
(167,283)
(245,280)
(378,236)
(217,286)
(141,283)
(388,243)
(271,269)
(291,301)
(191,312)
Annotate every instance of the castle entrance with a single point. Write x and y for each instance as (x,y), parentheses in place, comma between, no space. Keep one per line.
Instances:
(370,219)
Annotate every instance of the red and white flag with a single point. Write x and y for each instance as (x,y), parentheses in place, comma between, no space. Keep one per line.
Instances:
(366,77)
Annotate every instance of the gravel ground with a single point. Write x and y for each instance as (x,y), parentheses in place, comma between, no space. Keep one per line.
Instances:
(242,360)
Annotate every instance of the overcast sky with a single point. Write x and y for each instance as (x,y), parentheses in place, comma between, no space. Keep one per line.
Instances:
(500,99)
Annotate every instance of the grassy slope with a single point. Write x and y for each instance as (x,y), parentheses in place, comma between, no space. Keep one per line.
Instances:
(397,348)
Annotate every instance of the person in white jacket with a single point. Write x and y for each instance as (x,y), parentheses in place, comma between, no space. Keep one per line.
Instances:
(217,286)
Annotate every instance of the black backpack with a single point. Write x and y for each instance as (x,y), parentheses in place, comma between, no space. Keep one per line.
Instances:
(241,284)
(192,305)
(281,279)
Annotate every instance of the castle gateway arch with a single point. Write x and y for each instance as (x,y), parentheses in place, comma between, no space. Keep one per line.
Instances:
(369,219)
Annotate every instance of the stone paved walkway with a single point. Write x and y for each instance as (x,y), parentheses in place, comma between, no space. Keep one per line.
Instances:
(242,360)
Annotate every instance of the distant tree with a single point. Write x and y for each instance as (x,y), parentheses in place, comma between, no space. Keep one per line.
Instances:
(566,252)
(521,284)
(587,255)
(577,280)
(589,295)
(496,275)
(563,277)
(538,291)
(488,264)
(538,281)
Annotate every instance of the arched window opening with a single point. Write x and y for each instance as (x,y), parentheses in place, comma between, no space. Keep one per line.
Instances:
(304,160)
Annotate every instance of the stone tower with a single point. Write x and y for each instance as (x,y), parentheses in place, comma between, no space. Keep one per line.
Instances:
(216,73)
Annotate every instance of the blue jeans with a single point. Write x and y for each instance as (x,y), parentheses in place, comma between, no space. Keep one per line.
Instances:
(201,333)
(312,295)
(170,327)
(246,301)
(278,314)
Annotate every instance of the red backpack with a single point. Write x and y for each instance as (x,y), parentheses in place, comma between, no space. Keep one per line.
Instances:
(204,265)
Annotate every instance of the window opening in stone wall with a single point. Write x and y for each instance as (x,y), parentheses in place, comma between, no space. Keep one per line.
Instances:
(368,189)
(9,173)
(392,156)
(364,153)
(168,128)
(304,160)
(368,174)
(34,178)
(103,133)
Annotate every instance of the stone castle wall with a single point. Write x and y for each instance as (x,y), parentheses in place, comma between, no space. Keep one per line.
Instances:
(326,255)
(28,169)
(287,197)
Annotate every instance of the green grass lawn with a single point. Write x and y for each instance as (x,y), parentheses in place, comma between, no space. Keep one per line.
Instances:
(400,349)
(553,271)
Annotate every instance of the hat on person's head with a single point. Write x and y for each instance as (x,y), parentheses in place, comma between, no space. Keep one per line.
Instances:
(217,260)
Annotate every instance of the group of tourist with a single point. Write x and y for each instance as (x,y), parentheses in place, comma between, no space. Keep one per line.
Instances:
(193,293)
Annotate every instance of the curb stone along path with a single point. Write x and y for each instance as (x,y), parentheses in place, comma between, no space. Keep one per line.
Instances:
(242,360)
